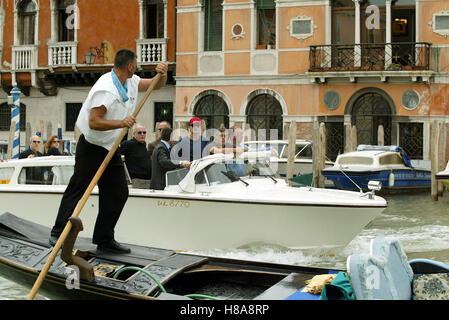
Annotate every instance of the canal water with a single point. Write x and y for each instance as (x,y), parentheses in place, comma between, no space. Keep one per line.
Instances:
(420,224)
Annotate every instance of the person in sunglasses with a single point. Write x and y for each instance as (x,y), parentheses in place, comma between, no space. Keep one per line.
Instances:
(33,150)
(137,158)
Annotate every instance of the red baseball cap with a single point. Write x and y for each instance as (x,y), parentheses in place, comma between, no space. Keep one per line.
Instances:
(194,119)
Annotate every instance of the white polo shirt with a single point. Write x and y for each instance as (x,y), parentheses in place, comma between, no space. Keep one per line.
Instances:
(105,93)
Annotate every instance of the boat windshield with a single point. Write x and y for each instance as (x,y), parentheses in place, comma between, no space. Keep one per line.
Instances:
(301,152)
(365,161)
(46,175)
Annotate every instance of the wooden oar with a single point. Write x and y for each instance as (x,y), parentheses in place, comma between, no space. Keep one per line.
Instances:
(86,195)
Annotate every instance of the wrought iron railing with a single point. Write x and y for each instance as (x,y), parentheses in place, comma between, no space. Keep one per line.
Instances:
(370,57)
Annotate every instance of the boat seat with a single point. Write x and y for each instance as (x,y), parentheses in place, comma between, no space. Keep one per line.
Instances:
(384,274)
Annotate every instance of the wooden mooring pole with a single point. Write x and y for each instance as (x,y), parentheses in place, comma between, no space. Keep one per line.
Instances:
(434,148)
(291,151)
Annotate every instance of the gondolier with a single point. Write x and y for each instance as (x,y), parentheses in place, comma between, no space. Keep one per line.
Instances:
(107,109)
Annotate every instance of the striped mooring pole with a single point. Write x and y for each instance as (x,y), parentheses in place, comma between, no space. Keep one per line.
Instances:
(15,116)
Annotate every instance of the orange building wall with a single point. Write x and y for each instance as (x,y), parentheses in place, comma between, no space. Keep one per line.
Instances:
(317,13)
(120,29)
(100,20)
(242,17)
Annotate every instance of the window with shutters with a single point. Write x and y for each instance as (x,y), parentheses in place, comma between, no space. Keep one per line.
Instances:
(213,25)
(64,33)
(27,16)
(71,114)
(154,22)
(266,23)
(5,117)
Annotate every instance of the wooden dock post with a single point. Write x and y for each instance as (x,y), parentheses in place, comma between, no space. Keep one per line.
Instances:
(348,136)
(291,151)
(322,158)
(434,143)
(12,131)
(353,137)
(442,155)
(27,134)
(380,135)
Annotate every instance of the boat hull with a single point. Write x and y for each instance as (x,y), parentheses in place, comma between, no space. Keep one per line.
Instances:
(179,222)
(443,178)
(412,180)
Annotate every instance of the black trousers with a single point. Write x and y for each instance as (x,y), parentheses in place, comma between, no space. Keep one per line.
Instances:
(112,188)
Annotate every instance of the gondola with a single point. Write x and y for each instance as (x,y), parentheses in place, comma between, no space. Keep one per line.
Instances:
(144,274)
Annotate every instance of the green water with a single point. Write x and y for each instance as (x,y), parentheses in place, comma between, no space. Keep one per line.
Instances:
(420,224)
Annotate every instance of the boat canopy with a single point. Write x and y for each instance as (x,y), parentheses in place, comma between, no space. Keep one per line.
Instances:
(367,147)
(188,183)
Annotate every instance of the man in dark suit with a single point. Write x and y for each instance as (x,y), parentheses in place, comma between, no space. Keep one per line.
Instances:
(161,162)
(152,145)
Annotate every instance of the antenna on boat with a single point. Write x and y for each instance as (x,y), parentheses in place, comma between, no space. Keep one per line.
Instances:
(341,170)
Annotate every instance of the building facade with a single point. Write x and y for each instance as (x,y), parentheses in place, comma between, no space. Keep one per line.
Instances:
(264,63)
(55,50)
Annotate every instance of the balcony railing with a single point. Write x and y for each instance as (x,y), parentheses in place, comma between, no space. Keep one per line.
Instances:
(24,57)
(370,57)
(62,54)
(151,51)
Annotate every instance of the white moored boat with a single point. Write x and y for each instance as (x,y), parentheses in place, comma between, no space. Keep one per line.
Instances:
(443,176)
(279,155)
(202,208)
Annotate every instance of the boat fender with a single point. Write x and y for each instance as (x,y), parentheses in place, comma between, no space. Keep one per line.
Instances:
(391,180)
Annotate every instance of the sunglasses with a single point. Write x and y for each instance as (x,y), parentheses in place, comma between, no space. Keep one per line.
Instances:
(36,142)
(141,132)
(55,141)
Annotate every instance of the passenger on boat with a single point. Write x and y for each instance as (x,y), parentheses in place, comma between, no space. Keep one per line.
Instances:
(236,139)
(107,109)
(153,144)
(161,162)
(191,147)
(52,147)
(33,150)
(221,143)
(137,158)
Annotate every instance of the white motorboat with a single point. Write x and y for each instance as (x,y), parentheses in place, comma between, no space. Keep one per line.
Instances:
(279,155)
(388,164)
(205,207)
(443,176)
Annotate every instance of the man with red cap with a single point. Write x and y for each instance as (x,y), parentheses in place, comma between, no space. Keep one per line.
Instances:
(191,147)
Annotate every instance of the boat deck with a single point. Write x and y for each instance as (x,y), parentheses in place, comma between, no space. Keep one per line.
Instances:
(24,250)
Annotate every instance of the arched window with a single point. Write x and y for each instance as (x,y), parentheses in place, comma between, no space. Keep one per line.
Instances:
(213,109)
(5,117)
(369,111)
(264,113)
(27,18)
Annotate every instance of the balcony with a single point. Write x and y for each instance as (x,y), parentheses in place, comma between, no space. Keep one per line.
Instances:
(24,57)
(151,51)
(411,56)
(62,54)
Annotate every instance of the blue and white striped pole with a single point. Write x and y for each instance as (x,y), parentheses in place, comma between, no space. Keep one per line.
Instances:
(15,116)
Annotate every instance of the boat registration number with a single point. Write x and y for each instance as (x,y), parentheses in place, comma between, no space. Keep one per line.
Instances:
(173,203)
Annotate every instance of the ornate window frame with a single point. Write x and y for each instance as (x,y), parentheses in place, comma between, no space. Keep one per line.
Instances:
(442,13)
(301,36)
